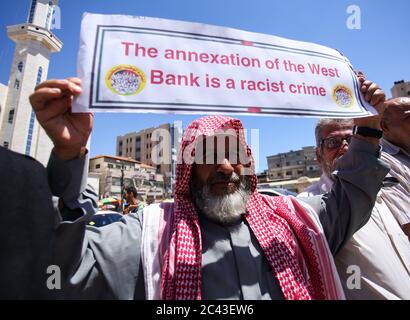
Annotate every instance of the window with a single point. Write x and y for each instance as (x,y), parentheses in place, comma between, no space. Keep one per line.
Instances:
(116,182)
(277,165)
(288,173)
(97,166)
(6,144)
(11,116)
(138,144)
(32,116)
(32,11)
(120,153)
(288,163)
(39,75)
(30,133)
(408,93)
(20,67)
(17,84)
(50,13)
(110,166)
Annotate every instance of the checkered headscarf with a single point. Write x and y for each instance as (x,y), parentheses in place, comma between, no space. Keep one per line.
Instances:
(292,245)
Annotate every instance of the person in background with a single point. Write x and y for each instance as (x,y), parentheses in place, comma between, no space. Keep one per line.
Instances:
(35,200)
(133,204)
(395,124)
(377,254)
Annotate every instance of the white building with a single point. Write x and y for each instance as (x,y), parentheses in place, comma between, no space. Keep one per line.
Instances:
(400,89)
(115,173)
(156,146)
(19,129)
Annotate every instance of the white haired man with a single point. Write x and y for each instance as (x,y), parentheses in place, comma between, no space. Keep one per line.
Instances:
(375,262)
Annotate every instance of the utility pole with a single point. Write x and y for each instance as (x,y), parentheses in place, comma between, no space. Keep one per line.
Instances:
(122,184)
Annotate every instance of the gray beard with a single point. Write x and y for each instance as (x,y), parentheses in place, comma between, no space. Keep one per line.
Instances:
(328,168)
(225,209)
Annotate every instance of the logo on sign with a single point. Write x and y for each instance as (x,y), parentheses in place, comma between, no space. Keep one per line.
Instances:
(343,96)
(125,80)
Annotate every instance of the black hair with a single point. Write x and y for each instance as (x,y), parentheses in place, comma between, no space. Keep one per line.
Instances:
(131,189)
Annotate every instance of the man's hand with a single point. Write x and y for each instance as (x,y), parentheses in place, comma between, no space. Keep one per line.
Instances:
(376,97)
(52,101)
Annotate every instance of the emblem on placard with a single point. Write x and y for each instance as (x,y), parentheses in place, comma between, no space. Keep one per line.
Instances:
(343,96)
(125,80)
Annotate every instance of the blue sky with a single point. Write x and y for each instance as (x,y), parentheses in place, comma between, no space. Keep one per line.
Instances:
(381,49)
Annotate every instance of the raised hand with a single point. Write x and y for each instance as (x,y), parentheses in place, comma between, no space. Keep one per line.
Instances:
(376,97)
(52,101)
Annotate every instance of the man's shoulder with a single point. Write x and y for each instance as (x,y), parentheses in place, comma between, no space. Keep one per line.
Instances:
(12,155)
(166,206)
(312,190)
(16,163)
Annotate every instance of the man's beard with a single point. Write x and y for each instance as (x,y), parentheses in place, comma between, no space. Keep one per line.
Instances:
(329,167)
(224,209)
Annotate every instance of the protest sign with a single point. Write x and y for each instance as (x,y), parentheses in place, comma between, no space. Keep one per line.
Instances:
(138,64)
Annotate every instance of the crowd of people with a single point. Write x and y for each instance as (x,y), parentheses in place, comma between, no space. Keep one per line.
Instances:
(348,236)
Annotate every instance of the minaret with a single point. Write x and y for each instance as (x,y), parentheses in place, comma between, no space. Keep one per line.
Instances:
(19,129)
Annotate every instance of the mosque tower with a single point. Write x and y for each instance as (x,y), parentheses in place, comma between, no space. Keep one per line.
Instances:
(19,129)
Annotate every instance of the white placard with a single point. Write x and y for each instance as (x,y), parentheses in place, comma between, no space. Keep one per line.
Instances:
(139,64)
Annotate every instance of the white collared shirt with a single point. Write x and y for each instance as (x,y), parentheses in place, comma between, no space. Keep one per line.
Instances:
(397,198)
(324,185)
(380,251)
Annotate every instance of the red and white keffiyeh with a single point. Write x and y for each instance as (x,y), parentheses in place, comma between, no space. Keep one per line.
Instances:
(289,235)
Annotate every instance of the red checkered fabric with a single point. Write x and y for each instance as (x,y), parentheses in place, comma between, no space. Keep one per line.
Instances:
(288,243)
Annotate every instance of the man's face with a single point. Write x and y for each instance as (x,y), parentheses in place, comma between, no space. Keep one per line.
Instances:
(218,185)
(332,146)
(128,196)
(397,128)
(220,169)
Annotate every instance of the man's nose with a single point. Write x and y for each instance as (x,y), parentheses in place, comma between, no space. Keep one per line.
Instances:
(225,167)
(344,147)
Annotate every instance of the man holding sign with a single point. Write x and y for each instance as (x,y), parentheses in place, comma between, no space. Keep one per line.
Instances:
(220,239)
